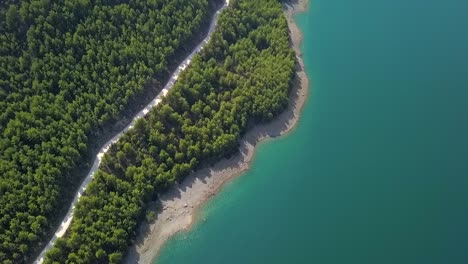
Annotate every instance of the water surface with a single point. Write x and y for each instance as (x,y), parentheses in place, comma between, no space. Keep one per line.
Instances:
(377,170)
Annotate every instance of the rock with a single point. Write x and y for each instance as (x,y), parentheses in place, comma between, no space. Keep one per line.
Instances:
(185,205)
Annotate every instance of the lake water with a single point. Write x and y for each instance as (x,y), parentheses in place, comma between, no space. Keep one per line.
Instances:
(377,170)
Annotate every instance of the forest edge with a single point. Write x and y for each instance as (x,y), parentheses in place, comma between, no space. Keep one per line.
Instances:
(177,208)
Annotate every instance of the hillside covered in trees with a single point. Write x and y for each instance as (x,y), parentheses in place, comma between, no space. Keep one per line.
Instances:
(243,76)
(69,70)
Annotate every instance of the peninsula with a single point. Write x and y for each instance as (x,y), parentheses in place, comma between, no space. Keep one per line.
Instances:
(176,209)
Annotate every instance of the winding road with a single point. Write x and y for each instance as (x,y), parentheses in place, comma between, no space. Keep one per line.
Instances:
(97,161)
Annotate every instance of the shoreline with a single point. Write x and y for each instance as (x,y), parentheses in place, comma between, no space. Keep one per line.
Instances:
(177,208)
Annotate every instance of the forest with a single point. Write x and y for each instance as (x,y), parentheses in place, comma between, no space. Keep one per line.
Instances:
(242,77)
(68,71)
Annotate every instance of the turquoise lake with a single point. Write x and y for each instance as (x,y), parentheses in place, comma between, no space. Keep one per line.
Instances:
(377,169)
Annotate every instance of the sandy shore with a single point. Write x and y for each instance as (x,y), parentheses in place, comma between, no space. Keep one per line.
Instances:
(180,203)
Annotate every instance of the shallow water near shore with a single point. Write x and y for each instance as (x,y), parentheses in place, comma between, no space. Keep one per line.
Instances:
(377,168)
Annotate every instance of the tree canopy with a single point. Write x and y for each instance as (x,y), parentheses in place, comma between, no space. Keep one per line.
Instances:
(243,76)
(68,70)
